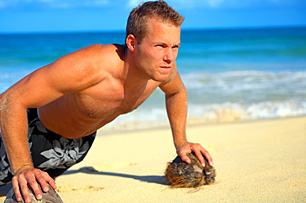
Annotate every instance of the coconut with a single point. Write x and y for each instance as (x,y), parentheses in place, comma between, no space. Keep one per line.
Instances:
(182,174)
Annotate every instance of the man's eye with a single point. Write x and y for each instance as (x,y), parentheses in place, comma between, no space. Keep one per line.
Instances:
(161,45)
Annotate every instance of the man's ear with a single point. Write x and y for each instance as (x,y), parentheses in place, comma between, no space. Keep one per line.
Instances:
(131,42)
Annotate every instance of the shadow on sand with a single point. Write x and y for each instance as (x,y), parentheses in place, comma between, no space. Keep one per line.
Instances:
(150,179)
(90,170)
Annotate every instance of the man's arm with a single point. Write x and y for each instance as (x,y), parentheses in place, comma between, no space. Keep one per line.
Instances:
(71,73)
(176,103)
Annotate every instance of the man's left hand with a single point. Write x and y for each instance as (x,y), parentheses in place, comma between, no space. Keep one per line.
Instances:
(198,150)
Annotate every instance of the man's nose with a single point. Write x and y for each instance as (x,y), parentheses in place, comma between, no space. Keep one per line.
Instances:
(169,55)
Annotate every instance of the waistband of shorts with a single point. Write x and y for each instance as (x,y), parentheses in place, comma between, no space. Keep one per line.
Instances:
(33,117)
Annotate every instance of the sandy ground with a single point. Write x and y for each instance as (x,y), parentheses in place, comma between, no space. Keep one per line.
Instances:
(258,161)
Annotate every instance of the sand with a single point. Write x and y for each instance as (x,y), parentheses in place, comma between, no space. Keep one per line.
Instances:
(257,161)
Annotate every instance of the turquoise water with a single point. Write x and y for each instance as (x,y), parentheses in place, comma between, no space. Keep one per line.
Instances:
(239,74)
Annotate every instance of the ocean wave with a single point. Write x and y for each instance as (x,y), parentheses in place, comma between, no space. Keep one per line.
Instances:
(212,113)
(228,112)
(245,86)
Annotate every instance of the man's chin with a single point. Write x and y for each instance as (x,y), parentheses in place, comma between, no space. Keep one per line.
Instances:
(163,78)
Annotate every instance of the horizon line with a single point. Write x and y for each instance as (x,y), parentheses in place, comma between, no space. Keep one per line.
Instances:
(183,29)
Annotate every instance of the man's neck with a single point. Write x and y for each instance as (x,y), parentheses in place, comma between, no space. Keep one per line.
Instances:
(133,76)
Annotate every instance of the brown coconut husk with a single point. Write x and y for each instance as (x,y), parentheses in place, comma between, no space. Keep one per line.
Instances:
(180,174)
(47,197)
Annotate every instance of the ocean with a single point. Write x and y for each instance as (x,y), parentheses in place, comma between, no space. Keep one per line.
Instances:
(230,75)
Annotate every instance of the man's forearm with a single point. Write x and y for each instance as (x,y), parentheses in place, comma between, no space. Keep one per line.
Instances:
(177,114)
(176,102)
(14,134)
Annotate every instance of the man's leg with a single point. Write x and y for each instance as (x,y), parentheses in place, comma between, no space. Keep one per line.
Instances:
(51,152)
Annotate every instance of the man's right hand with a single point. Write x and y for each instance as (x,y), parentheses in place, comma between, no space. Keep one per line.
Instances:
(32,177)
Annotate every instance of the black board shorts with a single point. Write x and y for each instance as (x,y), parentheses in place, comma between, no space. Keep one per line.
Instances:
(50,152)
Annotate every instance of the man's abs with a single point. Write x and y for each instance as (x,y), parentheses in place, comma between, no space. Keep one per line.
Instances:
(65,117)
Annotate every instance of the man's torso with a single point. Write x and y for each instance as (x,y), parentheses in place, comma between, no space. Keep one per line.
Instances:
(79,114)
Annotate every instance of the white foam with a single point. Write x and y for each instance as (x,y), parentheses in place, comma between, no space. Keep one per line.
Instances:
(212,113)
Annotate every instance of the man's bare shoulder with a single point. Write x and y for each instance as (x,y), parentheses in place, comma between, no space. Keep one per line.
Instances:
(94,60)
(103,52)
(103,57)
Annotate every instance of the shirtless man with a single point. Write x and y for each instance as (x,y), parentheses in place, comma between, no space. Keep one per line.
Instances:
(49,118)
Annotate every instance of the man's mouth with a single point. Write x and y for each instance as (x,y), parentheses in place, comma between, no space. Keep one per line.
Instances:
(165,67)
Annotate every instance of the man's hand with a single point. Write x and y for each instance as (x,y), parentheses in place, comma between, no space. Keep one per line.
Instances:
(31,177)
(186,148)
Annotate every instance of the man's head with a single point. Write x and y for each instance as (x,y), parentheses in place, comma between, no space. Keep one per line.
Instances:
(159,10)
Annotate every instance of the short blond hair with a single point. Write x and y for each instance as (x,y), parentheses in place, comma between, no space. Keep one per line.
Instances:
(138,18)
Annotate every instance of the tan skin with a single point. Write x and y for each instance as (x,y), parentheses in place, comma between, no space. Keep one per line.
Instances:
(82,91)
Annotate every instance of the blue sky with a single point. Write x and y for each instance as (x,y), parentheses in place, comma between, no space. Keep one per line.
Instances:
(104,15)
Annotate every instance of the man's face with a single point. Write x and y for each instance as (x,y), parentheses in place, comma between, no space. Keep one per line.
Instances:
(156,53)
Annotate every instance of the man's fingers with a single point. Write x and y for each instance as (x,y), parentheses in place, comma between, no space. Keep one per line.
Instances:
(16,189)
(32,177)
(185,158)
(43,183)
(36,189)
(49,180)
(191,147)
(24,189)
(208,157)
(200,157)
(200,152)
(183,151)
(52,184)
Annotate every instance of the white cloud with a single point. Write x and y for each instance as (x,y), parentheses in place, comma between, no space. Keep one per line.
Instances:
(174,3)
(2,4)
(74,4)
(52,3)
(60,5)
(214,3)
(181,4)
(45,1)
(96,3)
(101,2)
(7,4)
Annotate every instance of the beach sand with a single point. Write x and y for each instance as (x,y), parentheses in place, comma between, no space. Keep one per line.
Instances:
(256,161)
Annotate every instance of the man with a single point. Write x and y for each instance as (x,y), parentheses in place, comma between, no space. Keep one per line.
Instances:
(61,105)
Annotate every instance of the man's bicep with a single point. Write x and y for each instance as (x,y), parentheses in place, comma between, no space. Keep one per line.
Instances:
(50,82)
(34,90)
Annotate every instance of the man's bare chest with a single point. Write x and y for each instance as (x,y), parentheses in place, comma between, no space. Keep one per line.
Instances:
(109,103)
